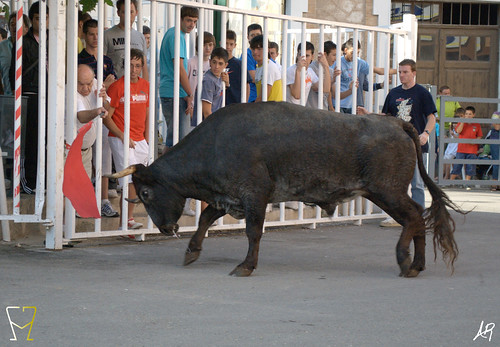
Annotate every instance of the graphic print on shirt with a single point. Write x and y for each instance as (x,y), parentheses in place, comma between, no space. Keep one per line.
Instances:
(136,98)
(404,109)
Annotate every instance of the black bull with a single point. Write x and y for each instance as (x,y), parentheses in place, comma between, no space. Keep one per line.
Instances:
(248,155)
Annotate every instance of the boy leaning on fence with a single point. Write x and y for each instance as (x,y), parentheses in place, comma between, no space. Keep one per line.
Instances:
(451,149)
(138,145)
(467,150)
(212,86)
(189,18)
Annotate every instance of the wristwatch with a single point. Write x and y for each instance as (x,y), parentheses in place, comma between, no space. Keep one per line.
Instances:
(427,131)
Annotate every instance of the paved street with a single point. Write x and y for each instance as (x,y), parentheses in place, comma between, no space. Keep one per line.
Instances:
(337,285)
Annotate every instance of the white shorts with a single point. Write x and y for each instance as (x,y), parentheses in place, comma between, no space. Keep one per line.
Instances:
(137,155)
(106,153)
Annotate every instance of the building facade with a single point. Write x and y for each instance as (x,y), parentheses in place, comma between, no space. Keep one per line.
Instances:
(457,40)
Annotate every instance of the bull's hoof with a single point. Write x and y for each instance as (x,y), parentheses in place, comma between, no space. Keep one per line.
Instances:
(191,257)
(240,271)
(405,267)
(412,273)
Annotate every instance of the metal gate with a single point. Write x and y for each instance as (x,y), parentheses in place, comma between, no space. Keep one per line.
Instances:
(398,43)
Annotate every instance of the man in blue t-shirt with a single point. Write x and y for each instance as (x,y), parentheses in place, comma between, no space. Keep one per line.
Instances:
(412,103)
(252,31)
(189,18)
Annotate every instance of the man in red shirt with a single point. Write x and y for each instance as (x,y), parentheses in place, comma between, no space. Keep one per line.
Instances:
(138,145)
(467,150)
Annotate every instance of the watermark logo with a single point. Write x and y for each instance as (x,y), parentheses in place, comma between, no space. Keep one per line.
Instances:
(15,310)
(485,333)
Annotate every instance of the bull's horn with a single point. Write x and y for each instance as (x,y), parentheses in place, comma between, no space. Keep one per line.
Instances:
(133,201)
(128,171)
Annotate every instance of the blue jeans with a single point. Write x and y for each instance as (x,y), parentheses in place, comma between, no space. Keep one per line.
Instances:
(494,156)
(417,184)
(470,169)
(167,106)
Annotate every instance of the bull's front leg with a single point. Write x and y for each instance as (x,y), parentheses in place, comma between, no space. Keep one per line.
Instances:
(254,225)
(207,217)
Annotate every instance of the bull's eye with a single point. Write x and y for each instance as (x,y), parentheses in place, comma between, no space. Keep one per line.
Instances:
(146,194)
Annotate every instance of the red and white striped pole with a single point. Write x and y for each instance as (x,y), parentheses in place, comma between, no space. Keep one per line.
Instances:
(18,95)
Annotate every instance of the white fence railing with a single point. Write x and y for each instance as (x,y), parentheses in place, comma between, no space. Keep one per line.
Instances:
(399,43)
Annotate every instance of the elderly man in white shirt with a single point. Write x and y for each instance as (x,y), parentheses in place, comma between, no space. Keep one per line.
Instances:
(88,111)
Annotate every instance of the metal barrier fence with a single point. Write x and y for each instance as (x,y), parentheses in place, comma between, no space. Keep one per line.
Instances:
(60,220)
(444,140)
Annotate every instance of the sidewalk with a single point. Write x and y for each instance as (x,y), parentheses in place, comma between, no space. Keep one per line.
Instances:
(479,199)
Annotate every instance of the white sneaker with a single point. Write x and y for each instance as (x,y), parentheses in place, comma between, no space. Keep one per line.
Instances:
(187,209)
(292,205)
(389,222)
(112,193)
(132,224)
(269,208)
(188,212)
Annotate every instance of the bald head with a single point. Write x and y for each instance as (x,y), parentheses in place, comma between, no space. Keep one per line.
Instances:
(85,79)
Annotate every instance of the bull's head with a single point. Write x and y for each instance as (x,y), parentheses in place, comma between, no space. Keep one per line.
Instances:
(163,203)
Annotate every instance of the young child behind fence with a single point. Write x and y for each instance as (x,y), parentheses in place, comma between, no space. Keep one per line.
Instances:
(451,149)
(467,150)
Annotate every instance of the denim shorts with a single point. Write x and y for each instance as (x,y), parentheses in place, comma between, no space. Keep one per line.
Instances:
(470,169)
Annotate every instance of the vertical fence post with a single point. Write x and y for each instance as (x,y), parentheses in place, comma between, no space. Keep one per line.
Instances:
(42,102)
(338,65)
(284,56)
(177,50)
(223,20)
(355,71)
(72,56)
(320,67)
(265,61)
(153,22)
(201,24)
(100,76)
(303,52)
(17,106)
(126,125)
(371,50)
(387,63)
(55,130)
(244,60)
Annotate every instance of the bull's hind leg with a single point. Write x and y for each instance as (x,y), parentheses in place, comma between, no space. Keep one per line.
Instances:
(207,217)
(409,214)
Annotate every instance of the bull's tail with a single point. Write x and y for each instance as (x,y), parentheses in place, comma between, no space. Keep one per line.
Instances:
(437,218)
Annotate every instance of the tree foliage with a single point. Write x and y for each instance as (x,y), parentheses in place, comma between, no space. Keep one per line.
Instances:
(89,5)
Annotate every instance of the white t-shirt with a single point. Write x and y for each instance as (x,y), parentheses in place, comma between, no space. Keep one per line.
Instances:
(311,78)
(192,72)
(273,72)
(84,103)
(114,46)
